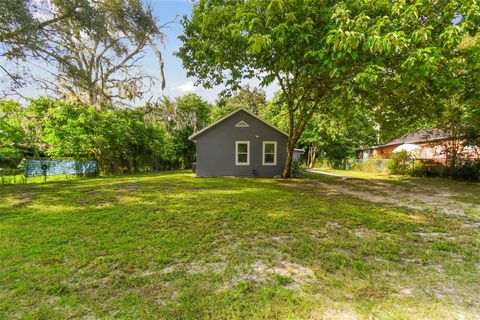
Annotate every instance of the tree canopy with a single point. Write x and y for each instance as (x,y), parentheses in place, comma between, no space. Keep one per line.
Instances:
(120,140)
(322,51)
(94,46)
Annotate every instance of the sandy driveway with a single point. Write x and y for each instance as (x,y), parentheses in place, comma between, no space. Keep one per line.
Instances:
(434,194)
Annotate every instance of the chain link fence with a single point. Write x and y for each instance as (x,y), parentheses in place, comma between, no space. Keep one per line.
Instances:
(34,168)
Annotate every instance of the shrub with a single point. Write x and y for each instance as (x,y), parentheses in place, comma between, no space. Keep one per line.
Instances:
(465,170)
(375,165)
(401,163)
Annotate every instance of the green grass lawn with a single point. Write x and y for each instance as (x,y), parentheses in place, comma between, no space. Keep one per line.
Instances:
(21,179)
(174,246)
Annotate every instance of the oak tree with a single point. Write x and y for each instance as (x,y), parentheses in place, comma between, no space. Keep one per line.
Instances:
(91,48)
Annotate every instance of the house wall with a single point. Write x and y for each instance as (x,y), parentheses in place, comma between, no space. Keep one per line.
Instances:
(216,148)
(383,152)
(431,150)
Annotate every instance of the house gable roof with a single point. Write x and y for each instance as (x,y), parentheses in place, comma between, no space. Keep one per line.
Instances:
(422,136)
(196,134)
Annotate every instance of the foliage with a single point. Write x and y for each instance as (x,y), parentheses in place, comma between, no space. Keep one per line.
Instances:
(94,46)
(12,136)
(401,163)
(468,170)
(181,117)
(120,140)
(251,99)
(320,53)
(331,137)
(449,102)
(70,130)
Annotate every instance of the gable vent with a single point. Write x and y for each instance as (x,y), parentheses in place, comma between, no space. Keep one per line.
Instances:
(242,124)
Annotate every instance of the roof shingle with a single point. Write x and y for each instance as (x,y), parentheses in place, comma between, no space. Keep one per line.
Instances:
(421,136)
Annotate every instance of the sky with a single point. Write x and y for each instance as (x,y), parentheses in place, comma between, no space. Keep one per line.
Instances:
(177,82)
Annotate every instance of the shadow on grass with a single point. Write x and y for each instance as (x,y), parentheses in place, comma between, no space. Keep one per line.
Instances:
(182,247)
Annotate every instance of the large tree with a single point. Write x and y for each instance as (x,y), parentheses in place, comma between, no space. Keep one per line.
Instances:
(93,46)
(181,117)
(11,131)
(252,99)
(320,51)
(331,136)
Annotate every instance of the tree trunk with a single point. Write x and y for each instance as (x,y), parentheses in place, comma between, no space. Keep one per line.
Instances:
(288,164)
(311,156)
(295,130)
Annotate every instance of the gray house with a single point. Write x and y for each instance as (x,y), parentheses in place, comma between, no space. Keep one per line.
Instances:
(240,144)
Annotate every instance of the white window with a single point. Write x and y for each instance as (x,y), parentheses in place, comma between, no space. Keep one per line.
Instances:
(269,153)
(242,153)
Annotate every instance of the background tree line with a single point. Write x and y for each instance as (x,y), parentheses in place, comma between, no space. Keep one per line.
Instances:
(150,137)
(350,73)
(120,140)
(154,136)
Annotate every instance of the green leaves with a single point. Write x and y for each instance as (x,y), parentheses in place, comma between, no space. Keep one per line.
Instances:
(258,42)
(421,35)
(324,52)
(345,40)
(451,36)
(89,43)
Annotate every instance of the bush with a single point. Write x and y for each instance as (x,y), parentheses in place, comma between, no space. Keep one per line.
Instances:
(9,158)
(465,170)
(10,165)
(468,170)
(401,163)
(375,165)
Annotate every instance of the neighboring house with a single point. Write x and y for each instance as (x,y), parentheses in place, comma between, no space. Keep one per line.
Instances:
(240,144)
(434,144)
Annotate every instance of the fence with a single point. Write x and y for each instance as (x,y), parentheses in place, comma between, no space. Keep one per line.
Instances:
(34,168)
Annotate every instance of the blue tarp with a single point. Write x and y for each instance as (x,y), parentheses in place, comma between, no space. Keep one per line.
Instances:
(55,167)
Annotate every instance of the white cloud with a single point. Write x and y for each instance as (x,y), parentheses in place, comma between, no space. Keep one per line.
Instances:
(187,87)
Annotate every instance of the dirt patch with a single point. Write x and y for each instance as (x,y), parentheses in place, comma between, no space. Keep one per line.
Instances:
(406,292)
(282,239)
(340,314)
(365,234)
(210,267)
(21,200)
(333,225)
(289,274)
(416,195)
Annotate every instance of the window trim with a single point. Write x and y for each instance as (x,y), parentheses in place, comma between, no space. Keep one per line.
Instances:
(236,153)
(274,163)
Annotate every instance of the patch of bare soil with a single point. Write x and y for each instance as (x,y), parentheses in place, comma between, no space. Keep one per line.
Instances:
(22,199)
(412,194)
(265,268)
